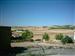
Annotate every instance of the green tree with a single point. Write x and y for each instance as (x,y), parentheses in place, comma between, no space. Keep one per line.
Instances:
(27,35)
(46,36)
(67,39)
(59,36)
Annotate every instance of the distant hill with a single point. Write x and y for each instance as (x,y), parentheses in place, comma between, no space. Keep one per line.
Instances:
(62,27)
(21,28)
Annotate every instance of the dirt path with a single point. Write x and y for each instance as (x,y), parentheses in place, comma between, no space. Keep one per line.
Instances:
(26,44)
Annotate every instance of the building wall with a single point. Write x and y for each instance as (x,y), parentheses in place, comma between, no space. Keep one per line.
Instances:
(5,34)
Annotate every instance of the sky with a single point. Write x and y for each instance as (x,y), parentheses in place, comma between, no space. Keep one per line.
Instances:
(37,12)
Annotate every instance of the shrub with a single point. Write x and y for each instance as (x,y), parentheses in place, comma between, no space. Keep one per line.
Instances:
(38,40)
(59,36)
(45,36)
(27,35)
(66,39)
(31,40)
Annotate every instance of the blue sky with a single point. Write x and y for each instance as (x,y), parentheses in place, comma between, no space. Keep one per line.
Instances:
(36,12)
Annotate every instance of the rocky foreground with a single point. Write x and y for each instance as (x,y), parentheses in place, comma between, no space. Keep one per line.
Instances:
(37,44)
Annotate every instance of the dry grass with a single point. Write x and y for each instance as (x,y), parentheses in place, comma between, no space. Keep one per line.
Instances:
(39,31)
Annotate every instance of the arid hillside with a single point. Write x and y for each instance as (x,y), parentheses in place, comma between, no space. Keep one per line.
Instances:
(39,31)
